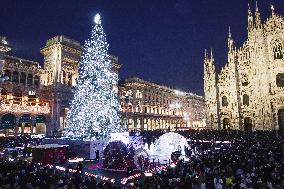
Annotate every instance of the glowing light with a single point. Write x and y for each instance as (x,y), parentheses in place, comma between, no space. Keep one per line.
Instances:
(23,108)
(167,144)
(123,137)
(180,93)
(76,160)
(98,19)
(148,174)
(60,168)
(175,105)
(173,165)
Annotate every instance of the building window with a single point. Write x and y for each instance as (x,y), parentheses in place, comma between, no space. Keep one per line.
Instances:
(224,101)
(30,79)
(245,83)
(8,73)
(246,100)
(64,77)
(15,77)
(36,81)
(280,80)
(23,78)
(69,79)
(277,49)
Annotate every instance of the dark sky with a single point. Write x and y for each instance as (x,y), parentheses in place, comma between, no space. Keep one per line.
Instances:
(158,40)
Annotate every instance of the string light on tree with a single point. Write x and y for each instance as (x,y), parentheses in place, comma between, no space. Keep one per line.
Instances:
(94,109)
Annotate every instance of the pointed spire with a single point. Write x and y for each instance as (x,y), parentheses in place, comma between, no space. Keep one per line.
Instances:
(257,17)
(272,9)
(250,19)
(230,40)
(249,11)
(211,53)
(205,55)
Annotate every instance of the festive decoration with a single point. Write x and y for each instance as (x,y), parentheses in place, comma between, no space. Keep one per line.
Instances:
(124,137)
(118,156)
(23,108)
(94,109)
(166,145)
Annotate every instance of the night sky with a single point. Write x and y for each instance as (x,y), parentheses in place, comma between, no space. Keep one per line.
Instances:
(158,40)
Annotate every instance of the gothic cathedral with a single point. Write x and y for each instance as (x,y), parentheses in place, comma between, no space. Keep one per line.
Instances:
(248,93)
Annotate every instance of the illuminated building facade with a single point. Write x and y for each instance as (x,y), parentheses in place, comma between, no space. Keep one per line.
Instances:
(35,97)
(248,93)
(149,106)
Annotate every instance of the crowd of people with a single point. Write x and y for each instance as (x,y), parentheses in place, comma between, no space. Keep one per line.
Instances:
(220,160)
(250,160)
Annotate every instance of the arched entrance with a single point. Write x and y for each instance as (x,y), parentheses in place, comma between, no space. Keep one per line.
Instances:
(281,119)
(226,123)
(40,124)
(25,124)
(248,124)
(8,124)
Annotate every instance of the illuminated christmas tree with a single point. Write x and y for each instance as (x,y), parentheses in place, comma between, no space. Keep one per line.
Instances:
(94,109)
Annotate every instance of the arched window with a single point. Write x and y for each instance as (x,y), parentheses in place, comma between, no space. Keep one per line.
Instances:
(277,49)
(69,79)
(15,77)
(64,77)
(8,73)
(23,78)
(224,101)
(246,100)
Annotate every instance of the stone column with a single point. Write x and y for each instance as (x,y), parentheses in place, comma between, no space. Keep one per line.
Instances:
(33,80)
(26,82)
(33,124)
(17,126)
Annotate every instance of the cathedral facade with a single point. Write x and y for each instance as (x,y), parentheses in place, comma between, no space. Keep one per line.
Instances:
(248,92)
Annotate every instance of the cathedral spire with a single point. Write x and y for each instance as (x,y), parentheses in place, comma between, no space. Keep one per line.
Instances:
(211,55)
(209,66)
(272,10)
(250,19)
(205,55)
(257,17)
(230,41)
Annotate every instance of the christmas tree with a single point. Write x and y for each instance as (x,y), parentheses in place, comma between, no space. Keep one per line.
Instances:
(94,109)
